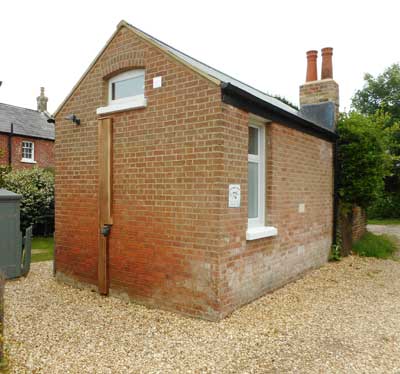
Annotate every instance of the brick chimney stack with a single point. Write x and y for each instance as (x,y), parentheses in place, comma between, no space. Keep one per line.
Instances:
(326,68)
(315,91)
(42,101)
(311,66)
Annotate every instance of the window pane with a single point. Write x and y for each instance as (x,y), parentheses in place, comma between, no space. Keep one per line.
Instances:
(128,87)
(27,148)
(253,141)
(253,190)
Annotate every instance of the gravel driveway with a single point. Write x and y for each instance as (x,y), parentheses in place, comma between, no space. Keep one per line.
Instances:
(342,318)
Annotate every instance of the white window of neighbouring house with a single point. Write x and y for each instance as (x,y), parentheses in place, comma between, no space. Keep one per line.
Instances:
(28,152)
(125,91)
(256,175)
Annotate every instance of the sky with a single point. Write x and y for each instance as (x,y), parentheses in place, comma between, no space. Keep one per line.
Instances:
(262,43)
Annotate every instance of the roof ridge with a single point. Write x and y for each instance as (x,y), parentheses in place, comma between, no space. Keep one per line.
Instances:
(193,58)
(21,107)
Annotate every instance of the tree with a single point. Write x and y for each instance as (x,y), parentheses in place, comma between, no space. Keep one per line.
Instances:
(382,95)
(364,162)
(285,101)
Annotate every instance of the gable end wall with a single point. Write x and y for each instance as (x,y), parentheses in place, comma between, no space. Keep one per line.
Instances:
(167,183)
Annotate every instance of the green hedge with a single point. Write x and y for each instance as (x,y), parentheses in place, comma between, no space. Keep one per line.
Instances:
(386,206)
(37,189)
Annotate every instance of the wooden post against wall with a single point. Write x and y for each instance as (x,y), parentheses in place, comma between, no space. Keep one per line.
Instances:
(105,199)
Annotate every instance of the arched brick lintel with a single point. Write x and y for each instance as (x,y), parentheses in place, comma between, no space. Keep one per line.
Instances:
(122,62)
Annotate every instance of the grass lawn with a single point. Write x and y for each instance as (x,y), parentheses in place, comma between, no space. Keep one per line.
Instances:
(42,249)
(384,221)
(379,246)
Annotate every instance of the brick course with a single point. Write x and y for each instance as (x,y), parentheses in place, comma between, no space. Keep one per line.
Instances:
(174,242)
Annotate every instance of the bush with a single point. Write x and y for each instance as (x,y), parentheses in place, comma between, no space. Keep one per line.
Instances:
(371,245)
(364,160)
(386,206)
(37,189)
(4,170)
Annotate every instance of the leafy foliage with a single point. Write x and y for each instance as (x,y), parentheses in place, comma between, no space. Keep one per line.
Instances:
(363,157)
(37,189)
(4,170)
(285,101)
(382,94)
(386,206)
(335,253)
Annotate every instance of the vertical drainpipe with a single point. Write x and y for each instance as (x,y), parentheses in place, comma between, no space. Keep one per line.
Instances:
(10,144)
(335,191)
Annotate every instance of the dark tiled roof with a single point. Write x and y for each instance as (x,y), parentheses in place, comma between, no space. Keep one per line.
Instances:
(26,122)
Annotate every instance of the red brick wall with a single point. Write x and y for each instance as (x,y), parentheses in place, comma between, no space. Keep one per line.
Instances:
(44,152)
(359,223)
(164,243)
(174,243)
(298,171)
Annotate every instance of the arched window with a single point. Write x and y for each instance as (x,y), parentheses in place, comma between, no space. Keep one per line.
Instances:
(126,86)
(125,91)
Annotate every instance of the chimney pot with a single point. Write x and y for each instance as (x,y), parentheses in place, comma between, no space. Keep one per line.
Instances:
(311,66)
(326,69)
(42,101)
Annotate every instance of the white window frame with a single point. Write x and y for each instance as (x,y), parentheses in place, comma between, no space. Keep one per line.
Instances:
(260,160)
(124,103)
(256,228)
(30,160)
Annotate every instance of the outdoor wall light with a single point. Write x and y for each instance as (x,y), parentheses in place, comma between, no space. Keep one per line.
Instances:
(74,119)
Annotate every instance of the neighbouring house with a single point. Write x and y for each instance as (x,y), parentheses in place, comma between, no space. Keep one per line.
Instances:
(26,136)
(179,187)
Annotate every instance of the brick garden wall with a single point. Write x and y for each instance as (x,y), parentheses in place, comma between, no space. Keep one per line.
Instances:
(359,223)
(174,243)
(44,152)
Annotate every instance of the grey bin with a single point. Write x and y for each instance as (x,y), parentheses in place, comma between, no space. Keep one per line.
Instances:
(14,258)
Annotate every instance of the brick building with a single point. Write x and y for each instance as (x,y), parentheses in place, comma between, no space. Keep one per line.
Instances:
(180,187)
(26,138)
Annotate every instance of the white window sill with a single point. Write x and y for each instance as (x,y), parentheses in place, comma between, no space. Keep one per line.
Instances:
(28,161)
(259,232)
(112,108)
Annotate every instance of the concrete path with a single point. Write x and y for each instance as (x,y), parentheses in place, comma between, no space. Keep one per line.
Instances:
(385,229)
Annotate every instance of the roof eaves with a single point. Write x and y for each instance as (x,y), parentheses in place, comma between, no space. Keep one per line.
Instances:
(242,99)
(52,138)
